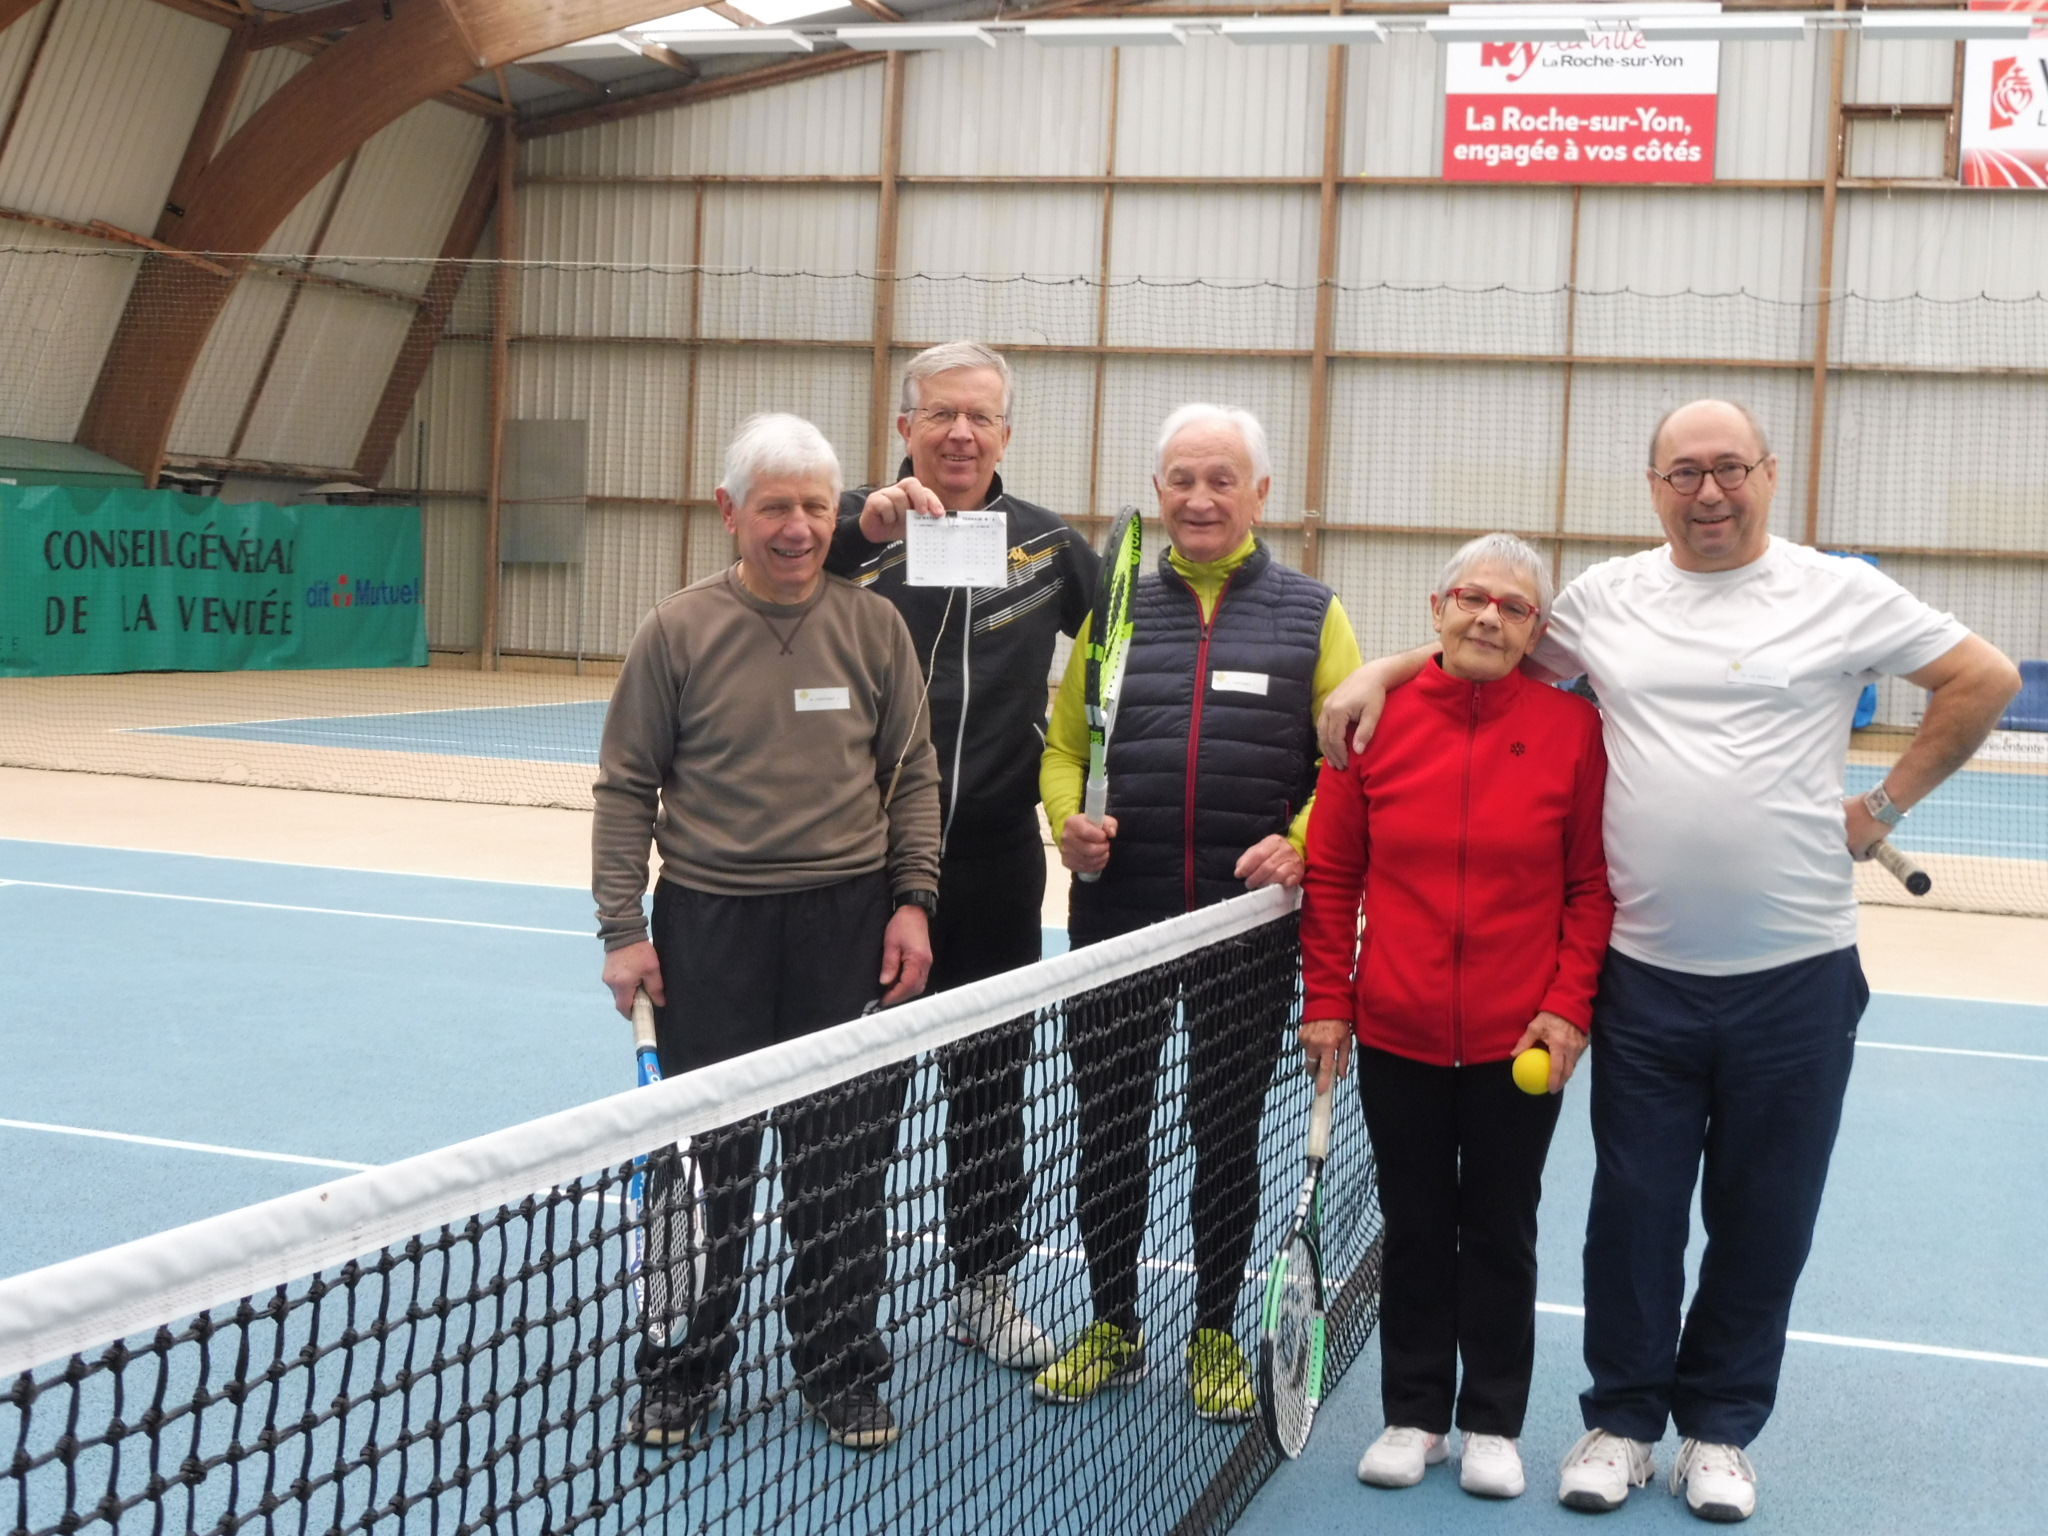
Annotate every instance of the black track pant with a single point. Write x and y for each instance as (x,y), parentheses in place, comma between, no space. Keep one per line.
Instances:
(991,890)
(1114,1038)
(1460,1155)
(741,973)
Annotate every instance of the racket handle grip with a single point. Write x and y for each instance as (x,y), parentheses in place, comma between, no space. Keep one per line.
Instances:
(1902,868)
(1094,805)
(1319,1125)
(643,1020)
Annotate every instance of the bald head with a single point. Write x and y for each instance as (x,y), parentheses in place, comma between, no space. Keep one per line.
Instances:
(1714,414)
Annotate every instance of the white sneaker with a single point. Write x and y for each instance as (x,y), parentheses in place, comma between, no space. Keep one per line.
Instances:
(986,1317)
(1399,1457)
(1491,1466)
(1600,1470)
(1718,1480)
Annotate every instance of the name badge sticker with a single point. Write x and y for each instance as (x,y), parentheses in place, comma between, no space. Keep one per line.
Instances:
(1238,682)
(1759,674)
(808,699)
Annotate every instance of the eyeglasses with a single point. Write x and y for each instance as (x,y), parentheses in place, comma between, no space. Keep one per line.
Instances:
(1477,599)
(1688,478)
(943,417)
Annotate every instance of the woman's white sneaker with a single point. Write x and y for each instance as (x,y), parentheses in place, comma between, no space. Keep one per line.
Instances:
(1717,1480)
(1400,1456)
(986,1317)
(1491,1466)
(1600,1470)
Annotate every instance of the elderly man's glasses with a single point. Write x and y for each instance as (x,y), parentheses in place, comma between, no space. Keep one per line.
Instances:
(1688,478)
(943,417)
(1476,599)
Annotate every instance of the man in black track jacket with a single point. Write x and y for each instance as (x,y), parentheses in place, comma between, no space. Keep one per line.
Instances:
(987,652)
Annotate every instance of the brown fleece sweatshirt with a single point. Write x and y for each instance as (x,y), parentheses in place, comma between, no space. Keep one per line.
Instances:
(754,742)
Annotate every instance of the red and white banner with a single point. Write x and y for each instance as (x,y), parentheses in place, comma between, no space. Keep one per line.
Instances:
(2004,138)
(1616,108)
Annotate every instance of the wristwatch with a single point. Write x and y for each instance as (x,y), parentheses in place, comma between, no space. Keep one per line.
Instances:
(925,901)
(1880,805)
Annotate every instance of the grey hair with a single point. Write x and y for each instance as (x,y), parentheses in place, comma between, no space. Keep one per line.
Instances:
(945,357)
(1502,549)
(1763,440)
(1199,414)
(777,444)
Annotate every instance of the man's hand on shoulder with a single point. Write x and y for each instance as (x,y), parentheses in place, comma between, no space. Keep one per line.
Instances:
(906,955)
(883,516)
(629,968)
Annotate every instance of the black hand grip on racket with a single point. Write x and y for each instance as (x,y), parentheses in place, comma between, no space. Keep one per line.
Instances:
(1902,868)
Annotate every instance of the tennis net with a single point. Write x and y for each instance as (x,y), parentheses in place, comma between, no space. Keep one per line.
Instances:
(461,1342)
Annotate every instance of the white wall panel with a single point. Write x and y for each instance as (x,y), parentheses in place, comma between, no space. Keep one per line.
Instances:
(1231,268)
(1426,269)
(1053,425)
(1614,411)
(711,547)
(1394,108)
(1935,462)
(453,530)
(1139,393)
(57,315)
(1052,236)
(1897,147)
(1014,110)
(1660,275)
(1912,263)
(402,196)
(2000,600)
(829,389)
(632,556)
(1215,109)
(16,44)
(455,402)
(1900,71)
(1772,123)
(227,368)
(105,121)
(828,125)
(1384,582)
(1413,445)
(331,366)
(630,248)
(635,398)
(826,234)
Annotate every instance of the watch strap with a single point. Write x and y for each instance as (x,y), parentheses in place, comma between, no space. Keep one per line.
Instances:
(1883,807)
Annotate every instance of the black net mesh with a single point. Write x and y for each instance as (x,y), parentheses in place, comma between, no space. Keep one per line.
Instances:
(493,1374)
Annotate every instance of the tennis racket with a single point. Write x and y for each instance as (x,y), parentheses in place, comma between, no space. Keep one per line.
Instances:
(674,1234)
(1109,643)
(1291,1325)
(1902,868)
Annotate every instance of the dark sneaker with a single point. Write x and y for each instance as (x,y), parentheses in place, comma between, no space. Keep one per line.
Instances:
(668,1414)
(856,1418)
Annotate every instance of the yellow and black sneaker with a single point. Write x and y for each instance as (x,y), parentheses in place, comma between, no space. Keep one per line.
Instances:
(1104,1356)
(1220,1378)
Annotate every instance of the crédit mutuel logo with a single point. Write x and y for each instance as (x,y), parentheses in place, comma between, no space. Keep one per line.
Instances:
(343,593)
(2011,91)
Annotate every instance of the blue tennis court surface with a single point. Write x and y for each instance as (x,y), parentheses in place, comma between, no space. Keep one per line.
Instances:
(348,1018)
(535,733)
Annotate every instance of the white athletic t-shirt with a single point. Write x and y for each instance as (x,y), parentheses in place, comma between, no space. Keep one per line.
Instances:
(1728,697)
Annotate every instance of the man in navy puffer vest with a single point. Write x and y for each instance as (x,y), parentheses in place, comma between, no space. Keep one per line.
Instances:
(1211,769)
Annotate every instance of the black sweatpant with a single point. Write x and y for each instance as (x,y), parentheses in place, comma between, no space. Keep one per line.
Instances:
(741,973)
(1114,1038)
(1460,1154)
(991,892)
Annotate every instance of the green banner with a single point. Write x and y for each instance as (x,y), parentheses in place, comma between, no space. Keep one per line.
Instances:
(159,581)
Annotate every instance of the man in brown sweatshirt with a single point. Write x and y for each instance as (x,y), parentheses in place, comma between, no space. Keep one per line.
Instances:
(758,726)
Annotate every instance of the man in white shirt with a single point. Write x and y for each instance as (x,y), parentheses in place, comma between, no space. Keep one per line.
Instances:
(1728,665)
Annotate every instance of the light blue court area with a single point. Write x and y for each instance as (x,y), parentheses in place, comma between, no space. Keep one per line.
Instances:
(1931,1239)
(1991,815)
(535,733)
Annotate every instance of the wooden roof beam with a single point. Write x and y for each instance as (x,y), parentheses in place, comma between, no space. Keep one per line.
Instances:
(300,25)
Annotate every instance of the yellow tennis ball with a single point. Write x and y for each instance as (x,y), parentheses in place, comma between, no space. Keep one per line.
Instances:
(1532,1070)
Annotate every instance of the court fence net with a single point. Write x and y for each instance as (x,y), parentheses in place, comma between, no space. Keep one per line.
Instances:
(1448,411)
(469,1340)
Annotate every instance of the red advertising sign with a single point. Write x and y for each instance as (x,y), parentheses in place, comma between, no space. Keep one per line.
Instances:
(2005,105)
(1615,108)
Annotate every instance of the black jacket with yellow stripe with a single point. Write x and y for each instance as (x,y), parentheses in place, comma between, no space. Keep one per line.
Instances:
(988,652)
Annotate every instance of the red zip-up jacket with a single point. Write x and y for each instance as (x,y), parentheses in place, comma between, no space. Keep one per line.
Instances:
(1471,829)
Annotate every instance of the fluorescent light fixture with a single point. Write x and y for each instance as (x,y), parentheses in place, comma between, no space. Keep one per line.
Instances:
(775,13)
(1786,27)
(913,39)
(1122,32)
(609,46)
(1990,25)
(737,40)
(1304,29)
(1509,28)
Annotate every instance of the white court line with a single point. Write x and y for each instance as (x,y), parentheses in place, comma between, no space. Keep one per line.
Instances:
(279,906)
(1842,1341)
(186,1146)
(1948,1050)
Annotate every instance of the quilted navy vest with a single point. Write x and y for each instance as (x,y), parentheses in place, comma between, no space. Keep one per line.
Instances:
(1198,776)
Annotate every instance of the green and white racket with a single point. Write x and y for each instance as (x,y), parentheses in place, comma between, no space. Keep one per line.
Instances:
(1291,1325)
(1109,643)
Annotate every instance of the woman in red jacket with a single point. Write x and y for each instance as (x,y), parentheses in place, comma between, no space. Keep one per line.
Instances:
(1470,829)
